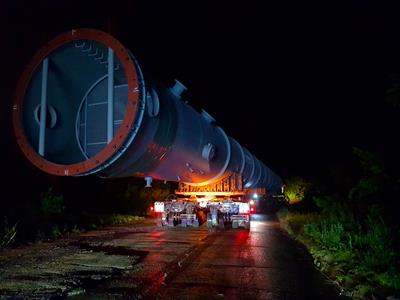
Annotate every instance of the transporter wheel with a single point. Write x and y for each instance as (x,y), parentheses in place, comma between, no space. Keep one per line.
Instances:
(162,220)
(235,224)
(209,221)
(169,219)
(221,222)
(247,224)
(201,216)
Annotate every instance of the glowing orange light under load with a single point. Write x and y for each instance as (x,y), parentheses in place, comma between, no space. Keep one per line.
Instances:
(230,185)
(208,194)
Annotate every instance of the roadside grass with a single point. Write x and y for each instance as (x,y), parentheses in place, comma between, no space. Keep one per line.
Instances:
(93,221)
(357,254)
(55,221)
(55,227)
(7,234)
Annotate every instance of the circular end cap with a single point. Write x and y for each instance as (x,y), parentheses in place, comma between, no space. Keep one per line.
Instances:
(94,163)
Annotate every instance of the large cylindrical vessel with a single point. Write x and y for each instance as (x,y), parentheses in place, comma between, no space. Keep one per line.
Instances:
(82,107)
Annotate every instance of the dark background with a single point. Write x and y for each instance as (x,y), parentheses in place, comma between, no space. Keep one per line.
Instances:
(298,83)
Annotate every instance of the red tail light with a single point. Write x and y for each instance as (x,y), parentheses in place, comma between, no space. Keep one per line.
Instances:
(151,208)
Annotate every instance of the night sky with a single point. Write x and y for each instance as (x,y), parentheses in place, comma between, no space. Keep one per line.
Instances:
(296,82)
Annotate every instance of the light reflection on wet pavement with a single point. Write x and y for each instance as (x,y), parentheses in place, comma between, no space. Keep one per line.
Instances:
(263,263)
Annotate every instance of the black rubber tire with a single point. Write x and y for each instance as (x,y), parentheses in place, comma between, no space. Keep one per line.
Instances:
(221,222)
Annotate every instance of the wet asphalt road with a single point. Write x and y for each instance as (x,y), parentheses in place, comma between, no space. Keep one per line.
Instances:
(263,263)
(145,261)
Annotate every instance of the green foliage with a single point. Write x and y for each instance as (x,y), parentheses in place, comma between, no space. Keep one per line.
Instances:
(295,189)
(370,162)
(85,221)
(139,198)
(93,221)
(294,222)
(327,204)
(364,188)
(52,204)
(375,242)
(359,256)
(371,184)
(361,291)
(334,210)
(7,234)
(390,279)
(353,238)
(327,235)
(50,232)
